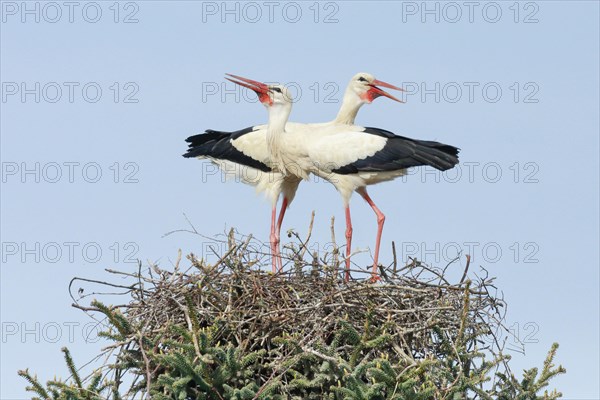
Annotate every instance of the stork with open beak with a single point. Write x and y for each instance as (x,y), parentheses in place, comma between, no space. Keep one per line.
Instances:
(244,154)
(278,101)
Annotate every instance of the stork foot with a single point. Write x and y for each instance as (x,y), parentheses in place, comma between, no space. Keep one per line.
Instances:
(375,277)
(274,264)
(347,271)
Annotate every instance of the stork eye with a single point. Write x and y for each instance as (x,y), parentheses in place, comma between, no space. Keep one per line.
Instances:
(361,79)
(277,89)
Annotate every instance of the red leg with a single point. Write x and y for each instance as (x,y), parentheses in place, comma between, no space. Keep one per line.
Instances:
(348,242)
(273,239)
(284,206)
(380,221)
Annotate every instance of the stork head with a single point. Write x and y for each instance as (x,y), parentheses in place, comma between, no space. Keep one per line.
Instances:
(269,95)
(366,87)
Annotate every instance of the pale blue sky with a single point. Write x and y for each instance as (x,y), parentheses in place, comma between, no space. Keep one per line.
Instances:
(541,134)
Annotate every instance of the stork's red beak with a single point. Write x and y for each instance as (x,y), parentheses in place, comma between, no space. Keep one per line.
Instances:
(261,89)
(375,91)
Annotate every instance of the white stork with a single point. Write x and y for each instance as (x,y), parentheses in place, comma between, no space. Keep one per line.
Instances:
(244,154)
(348,156)
(354,157)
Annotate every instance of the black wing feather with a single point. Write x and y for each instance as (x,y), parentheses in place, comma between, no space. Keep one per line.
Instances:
(217,144)
(401,152)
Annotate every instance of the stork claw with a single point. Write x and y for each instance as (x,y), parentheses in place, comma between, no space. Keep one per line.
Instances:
(375,276)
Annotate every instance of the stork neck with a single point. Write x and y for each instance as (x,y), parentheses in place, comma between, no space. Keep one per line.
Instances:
(350,106)
(278,116)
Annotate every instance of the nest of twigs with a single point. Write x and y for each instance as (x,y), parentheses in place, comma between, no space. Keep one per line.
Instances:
(249,307)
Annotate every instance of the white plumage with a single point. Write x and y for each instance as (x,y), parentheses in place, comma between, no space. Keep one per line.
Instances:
(350,157)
